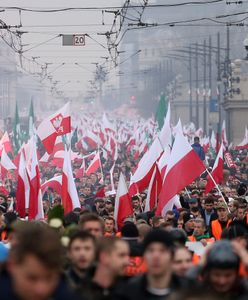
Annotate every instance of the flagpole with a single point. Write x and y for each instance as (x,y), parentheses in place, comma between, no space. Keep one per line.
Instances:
(100,162)
(187,192)
(210,175)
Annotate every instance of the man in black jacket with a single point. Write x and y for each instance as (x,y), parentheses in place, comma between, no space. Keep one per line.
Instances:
(159,282)
(209,214)
(105,281)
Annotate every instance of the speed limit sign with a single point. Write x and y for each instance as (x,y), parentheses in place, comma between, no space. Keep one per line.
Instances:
(79,39)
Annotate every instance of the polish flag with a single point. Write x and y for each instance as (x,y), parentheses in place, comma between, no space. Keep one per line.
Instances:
(205,144)
(35,211)
(92,139)
(95,164)
(179,172)
(217,172)
(123,205)
(5,144)
(44,160)
(56,125)
(154,190)
(6,164)
(80,172)
(244,144)
(107,125)
(55,183)
(69,194)
(142,176)
(22,189)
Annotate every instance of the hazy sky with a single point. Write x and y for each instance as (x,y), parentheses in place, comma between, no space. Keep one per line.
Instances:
(44,26)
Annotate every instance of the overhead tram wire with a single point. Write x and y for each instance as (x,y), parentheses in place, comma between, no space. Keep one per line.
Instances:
(35,10)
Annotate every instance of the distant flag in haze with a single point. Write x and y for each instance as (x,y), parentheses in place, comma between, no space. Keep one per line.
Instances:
(17,134)
(217,172)
(161,111)
(165,135)
(31,119)
(5,144)
(94,165)
(244,144)
(55,125)
(6,164)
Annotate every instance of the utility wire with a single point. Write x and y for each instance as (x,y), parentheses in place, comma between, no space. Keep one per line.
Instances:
(109,7)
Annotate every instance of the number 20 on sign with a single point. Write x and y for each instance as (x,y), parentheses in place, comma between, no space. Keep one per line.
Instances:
(79,40)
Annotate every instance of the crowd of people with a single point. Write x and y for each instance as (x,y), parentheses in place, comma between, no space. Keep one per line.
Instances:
(83,255)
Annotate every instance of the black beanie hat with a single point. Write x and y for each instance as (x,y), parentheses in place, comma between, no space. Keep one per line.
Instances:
(129,230)
(158,236)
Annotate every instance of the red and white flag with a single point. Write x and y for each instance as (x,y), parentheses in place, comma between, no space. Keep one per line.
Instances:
(217,172)
(80,172)
(55,183)
(179,172)
(35,209)
(69,195)
(22,189)
(56,125)
(94,165)
(244,144)
(154,190)
(6,164)
(5,144)
(123,205)
(106,124)
(142,176)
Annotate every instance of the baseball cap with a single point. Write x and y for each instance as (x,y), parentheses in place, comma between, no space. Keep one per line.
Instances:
(221,205)
(192,200)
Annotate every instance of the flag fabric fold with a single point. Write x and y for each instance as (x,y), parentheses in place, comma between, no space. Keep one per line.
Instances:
(179,171)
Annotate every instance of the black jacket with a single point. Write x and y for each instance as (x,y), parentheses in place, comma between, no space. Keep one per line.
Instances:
(136,289)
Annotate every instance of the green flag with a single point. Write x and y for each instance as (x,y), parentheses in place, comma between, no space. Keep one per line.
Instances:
(31,119)
(161,111)
(17,131)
